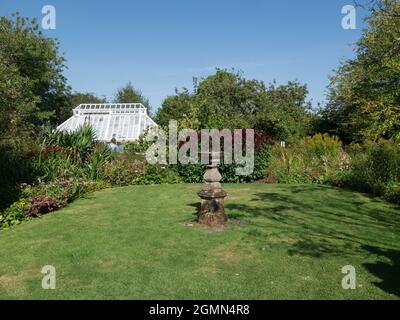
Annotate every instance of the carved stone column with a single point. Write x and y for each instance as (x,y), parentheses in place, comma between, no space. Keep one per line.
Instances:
(212,196)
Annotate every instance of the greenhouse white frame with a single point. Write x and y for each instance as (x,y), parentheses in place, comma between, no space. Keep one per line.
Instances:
(122,121)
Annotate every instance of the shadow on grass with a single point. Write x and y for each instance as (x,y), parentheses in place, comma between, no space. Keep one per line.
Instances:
(320,221)
(196,206)
(387,272)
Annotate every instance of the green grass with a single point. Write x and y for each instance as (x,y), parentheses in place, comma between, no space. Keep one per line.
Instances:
(132,243)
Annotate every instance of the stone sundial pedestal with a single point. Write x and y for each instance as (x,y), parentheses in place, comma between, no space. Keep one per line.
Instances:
(212,196)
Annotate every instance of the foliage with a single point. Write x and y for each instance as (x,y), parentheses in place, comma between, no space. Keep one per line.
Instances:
(138,146)
(122,171)
(69,154)
(40,205)
(129,94)
(18,104)
(33,91)
(374,166)
(34,85)
(364,100)
(322,145)
(193,173)
(227,100)
(392,192)
(158,174)
(78,98)
(77,144)
(14,169)
(311,159)
(63,190)
(14,214)
(100,155)
(174,108)
(285,113)
(97,185)
(45,197)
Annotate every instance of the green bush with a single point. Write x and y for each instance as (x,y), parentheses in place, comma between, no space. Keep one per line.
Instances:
(158,174)
(309,160)
(15,168)
(58,167)
(77,145)
(122,171)
(63,190)
(322,145)
(14,214)
(392,192)
(374,166)
(190,173)
(193,173)
(100,155)
(97,185)
(138,146)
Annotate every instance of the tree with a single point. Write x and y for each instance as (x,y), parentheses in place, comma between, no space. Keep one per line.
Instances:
(129,94)
(32,64)
(74,100)
(364,99)
(174,107)
(18,104)
(285,113)
(33,92)
(227,100)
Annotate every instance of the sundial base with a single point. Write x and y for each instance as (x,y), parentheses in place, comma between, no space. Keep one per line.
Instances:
(212,211)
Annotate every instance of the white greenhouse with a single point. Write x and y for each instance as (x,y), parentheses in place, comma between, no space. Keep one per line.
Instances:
(122,121)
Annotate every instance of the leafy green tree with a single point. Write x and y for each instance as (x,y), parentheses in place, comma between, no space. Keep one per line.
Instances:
(18,104)
(174,107)
(33,92)
(364,99)
(78,98)
(129,94)
(227,100)
(31,62)
(285,112)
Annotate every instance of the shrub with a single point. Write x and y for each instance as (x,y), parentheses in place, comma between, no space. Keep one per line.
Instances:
(138,146)
(392,192)
(322,145)
(99,156)
(158,174)
(77,144)
(63,190)
(41,204)
(122,171)
(374,165)
(14,169)
(309,160)
(98,185)
(47,197)
(53,168)
(14,214)
(193,173)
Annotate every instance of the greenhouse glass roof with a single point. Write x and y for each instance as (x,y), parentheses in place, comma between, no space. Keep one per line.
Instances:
(122,121)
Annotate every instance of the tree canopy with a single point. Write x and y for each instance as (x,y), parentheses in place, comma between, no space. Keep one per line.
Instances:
(33,89)
(227,100)
(364,95)
(129,94)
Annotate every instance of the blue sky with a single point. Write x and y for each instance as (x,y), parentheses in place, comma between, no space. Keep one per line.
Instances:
(162,45)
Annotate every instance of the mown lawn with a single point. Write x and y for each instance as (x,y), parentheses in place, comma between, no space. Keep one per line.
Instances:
(132,243)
